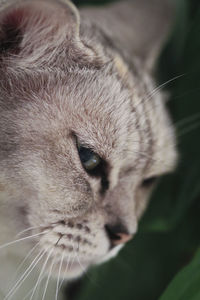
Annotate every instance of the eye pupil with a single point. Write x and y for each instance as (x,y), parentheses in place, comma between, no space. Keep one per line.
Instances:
(89,159)
(85,154)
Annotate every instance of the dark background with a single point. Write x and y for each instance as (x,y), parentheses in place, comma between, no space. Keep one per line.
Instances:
(169,232)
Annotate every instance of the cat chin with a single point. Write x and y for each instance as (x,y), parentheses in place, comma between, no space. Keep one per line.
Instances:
(111,254)
(75,271)
(78,267)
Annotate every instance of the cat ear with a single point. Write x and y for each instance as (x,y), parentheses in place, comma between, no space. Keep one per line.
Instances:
(32,29)
(158,20)
(151,29)
(141,27)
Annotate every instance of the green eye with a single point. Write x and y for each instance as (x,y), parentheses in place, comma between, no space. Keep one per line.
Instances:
(94,165)
(89,159)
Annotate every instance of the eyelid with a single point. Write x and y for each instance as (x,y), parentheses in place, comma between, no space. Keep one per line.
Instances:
(80,143)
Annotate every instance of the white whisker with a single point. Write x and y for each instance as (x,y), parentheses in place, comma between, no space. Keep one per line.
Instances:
(29,292)
(22,263)
(82,268)
(185,121)
(188,130)
(72,261)
(25,275)
(157,89)
(41,273)
(28,229)
(22,239)
(47,282)
(58,279)
(66,269)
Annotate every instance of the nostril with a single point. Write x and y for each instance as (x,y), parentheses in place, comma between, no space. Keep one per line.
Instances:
(112,232)
(117,234)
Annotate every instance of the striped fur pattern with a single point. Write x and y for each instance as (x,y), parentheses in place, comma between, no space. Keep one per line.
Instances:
(64,74)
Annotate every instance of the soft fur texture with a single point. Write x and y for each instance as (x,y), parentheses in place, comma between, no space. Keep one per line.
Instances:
(63,75)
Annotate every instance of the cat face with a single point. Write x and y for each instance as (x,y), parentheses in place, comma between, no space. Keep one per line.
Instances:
(82,140)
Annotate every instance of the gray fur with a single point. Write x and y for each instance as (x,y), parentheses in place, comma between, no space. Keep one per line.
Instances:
(68,75)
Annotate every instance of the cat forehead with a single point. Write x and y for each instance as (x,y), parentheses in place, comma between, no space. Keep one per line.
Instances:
(93,104)
(100,111)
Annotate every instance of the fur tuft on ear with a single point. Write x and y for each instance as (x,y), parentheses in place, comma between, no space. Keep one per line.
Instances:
(34,29)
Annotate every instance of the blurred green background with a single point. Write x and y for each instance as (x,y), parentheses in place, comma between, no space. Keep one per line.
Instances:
(163,260)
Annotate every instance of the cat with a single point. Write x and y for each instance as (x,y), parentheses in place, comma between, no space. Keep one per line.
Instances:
(84,135)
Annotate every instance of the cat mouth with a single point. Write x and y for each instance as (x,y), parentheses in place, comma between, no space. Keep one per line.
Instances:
(66,259)
(69,252)
(70,266)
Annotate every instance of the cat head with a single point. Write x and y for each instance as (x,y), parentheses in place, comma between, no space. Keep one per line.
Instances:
(82,139)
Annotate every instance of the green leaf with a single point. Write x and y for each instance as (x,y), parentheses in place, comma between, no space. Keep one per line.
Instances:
(186,285)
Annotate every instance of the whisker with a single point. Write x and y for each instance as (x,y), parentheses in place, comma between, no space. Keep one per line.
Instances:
(82,268)
(58,279)
(29,292)
(73,258)
(68,266)
(161,86)
(22,263)
(28,229)
(187,120)
(35,227)
(84,271)
(47,282)
(41,273)
(66,269)
(22,239)
(25,275)
(188,130)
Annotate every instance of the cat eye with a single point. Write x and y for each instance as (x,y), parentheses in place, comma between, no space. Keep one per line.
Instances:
(89,159)
(148,182)
(94,165)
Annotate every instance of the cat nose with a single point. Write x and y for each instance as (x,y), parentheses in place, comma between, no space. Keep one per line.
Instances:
(117,234)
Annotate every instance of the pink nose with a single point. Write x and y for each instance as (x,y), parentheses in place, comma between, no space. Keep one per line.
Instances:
(117,235)
(122,238)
